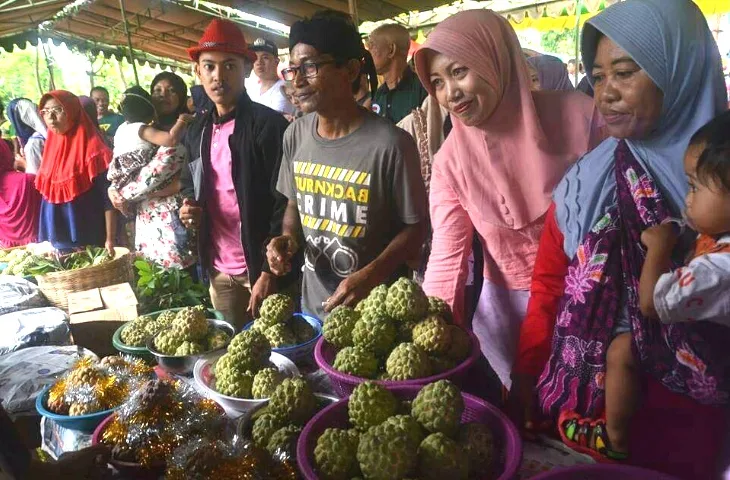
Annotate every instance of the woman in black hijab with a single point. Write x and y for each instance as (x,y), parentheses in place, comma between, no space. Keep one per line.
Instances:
(170,96)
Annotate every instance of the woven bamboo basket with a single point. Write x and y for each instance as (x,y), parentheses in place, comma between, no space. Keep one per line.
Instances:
(57,285)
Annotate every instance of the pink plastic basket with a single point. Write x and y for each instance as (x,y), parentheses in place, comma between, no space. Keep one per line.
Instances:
(603,472)
(343,383)
(505,433)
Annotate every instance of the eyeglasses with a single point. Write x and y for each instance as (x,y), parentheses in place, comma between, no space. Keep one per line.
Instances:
(51,111)
(307,69)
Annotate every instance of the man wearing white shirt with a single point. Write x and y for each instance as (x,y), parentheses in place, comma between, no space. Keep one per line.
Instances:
(268,92)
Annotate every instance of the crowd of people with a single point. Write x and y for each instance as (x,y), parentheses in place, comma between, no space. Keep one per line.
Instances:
(597,227)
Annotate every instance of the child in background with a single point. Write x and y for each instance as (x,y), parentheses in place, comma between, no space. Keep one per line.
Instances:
(699,290)
(136,141)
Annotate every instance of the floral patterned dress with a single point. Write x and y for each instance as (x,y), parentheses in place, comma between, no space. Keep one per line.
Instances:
(159,234)
(601,288)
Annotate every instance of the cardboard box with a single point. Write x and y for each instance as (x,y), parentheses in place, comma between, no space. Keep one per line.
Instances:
(96,314)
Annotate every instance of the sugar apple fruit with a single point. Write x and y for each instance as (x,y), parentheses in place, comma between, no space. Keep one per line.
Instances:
(437,306)
(406,362)
(217,339)
(191,324)
(406,301)
(433,335)
(265,382)
(338,326)
(167,342)
(277,308)
(166,318)
(374,303)
(284,439)
(189,348)
(77,409)
(460,347)
(440,457)
(335,454)
(233,382)
(477,441)
(356,361)
(134,335)
(84,375)
(370,404)
(440,364)
(303,331)
(387,452)
(376,333)
(264,427)
(405,331)
(252,348)
(153,328)
(438,407)
(410,426)
(294,401)
(280,335)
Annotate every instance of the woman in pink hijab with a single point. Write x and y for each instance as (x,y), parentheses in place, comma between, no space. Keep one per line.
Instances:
(495,173)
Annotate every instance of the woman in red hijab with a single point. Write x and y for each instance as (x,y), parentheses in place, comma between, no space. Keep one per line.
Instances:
(20,203)
(75,210)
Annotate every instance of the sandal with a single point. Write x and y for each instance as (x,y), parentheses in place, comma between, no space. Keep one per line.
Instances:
(589,437)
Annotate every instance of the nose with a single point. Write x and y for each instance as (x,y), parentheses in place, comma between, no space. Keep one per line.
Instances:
(299,79)
(453,91)
(609,93)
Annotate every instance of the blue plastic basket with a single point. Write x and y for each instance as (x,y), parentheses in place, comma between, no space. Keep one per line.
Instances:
(298,352)
(83,423)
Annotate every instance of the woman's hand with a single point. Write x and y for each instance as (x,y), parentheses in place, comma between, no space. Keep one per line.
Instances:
(186,118)
(118,201)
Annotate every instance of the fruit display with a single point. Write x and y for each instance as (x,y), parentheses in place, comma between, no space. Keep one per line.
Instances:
(182,333)
(276,426)
(92,386)
(160,417)
(279,325)
(389,440)
(396,333)
(39,261)
(244,370)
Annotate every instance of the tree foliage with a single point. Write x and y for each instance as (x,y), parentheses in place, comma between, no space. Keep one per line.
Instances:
(560,42)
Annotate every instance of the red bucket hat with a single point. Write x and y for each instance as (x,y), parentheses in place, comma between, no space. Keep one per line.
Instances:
(222,36)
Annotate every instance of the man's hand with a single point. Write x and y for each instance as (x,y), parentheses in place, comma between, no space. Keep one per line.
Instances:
(660,237)
(353,289)
(190,213)
(279,253)
(264,286)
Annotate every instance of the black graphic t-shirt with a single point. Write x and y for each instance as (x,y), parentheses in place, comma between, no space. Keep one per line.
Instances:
(354,194)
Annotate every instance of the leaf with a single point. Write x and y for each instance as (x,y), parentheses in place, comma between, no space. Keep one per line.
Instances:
(143,266)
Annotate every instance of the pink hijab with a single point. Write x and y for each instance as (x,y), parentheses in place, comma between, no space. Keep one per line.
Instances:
(504,171)
(20,203)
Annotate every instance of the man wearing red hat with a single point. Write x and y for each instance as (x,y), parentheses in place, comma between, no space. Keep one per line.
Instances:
(235,152)
(357,203)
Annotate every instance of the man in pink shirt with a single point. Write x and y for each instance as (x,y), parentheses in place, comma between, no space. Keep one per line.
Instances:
(235,152)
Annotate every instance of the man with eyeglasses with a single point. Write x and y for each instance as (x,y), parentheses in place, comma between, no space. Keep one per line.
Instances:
(357,203)
(235,151)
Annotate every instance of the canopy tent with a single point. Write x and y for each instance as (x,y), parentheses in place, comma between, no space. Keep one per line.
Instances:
(163,29)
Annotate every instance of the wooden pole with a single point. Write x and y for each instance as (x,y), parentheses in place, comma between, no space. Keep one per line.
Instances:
(352,4)
(578,8)
(129,41)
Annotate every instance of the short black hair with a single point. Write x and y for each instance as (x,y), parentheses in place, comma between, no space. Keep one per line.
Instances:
(99,89)
(713,164)
(137,105)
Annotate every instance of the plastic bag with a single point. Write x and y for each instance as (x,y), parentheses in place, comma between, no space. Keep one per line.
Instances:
(18,294)
(33,328)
